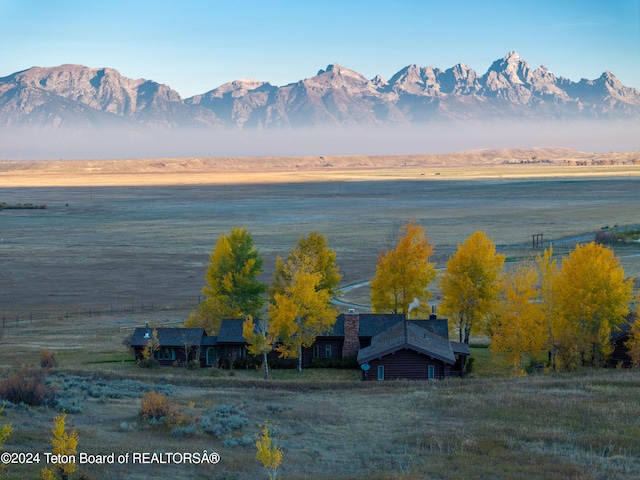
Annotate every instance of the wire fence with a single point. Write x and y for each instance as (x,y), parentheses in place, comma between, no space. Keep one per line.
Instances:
(29,316)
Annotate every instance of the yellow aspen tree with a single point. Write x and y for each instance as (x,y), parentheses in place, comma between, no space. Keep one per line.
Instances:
(232,290)
(259,340)
(470,285)
(316,247)
(519,327)
(404,273)
(153,345)
(302,311)
(593,297)
(5,431)
(268,453)
(633,343)
(547,272)
(64,446)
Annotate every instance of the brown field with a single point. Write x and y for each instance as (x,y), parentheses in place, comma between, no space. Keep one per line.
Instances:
(135,235)
(243,170)
(124,242)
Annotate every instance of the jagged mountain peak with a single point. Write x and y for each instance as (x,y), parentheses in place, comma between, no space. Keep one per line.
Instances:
(335,70)
(335,96)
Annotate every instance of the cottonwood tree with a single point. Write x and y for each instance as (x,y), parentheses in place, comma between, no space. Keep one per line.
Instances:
(519,325)
(592,296)
(404,273)
(232,290)
(470,284)
(301,308)
(316,248)
(260,339)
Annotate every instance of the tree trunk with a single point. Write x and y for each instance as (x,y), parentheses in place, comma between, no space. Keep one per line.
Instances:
(299,358)
(266,365)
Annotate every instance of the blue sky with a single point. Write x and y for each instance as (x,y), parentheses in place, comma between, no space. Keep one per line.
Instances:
(197,45)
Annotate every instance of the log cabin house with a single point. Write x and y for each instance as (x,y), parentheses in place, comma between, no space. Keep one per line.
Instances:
(177,346)
(388,343)
(620,356)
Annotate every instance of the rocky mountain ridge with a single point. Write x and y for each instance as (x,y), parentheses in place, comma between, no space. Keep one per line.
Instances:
(73,95)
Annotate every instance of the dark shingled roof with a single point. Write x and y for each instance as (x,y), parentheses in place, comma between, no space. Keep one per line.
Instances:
(460,347)
(168,337)
(209,341)
(408,334)
(372,324)
(231,331)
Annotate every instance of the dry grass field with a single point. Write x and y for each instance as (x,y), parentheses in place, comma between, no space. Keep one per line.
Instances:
(124,242)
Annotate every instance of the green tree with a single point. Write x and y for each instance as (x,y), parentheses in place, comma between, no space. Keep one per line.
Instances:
(470,285)
(519,326)
(259,340)
(316,248)
(232,290)
(404,273)
(592,296)
(302,310)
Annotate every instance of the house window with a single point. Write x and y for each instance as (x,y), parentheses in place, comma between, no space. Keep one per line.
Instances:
(316,351)
(327,351)
(166,354)
(431,375)
(380,372)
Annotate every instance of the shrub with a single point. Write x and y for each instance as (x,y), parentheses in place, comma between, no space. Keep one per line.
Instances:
(193,365)
(157,406)
(470,362)
(27,386)
(184,431)
(350,362)
(148,363)
(224,420)
(48,359)
(70,404)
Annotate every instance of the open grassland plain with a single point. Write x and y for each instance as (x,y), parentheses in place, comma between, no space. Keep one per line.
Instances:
(110,246)
(121,243)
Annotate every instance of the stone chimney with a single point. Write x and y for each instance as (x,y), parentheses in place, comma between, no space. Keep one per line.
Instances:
(351,344)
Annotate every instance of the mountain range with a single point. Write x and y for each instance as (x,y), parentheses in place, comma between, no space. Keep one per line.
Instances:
(73,95)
